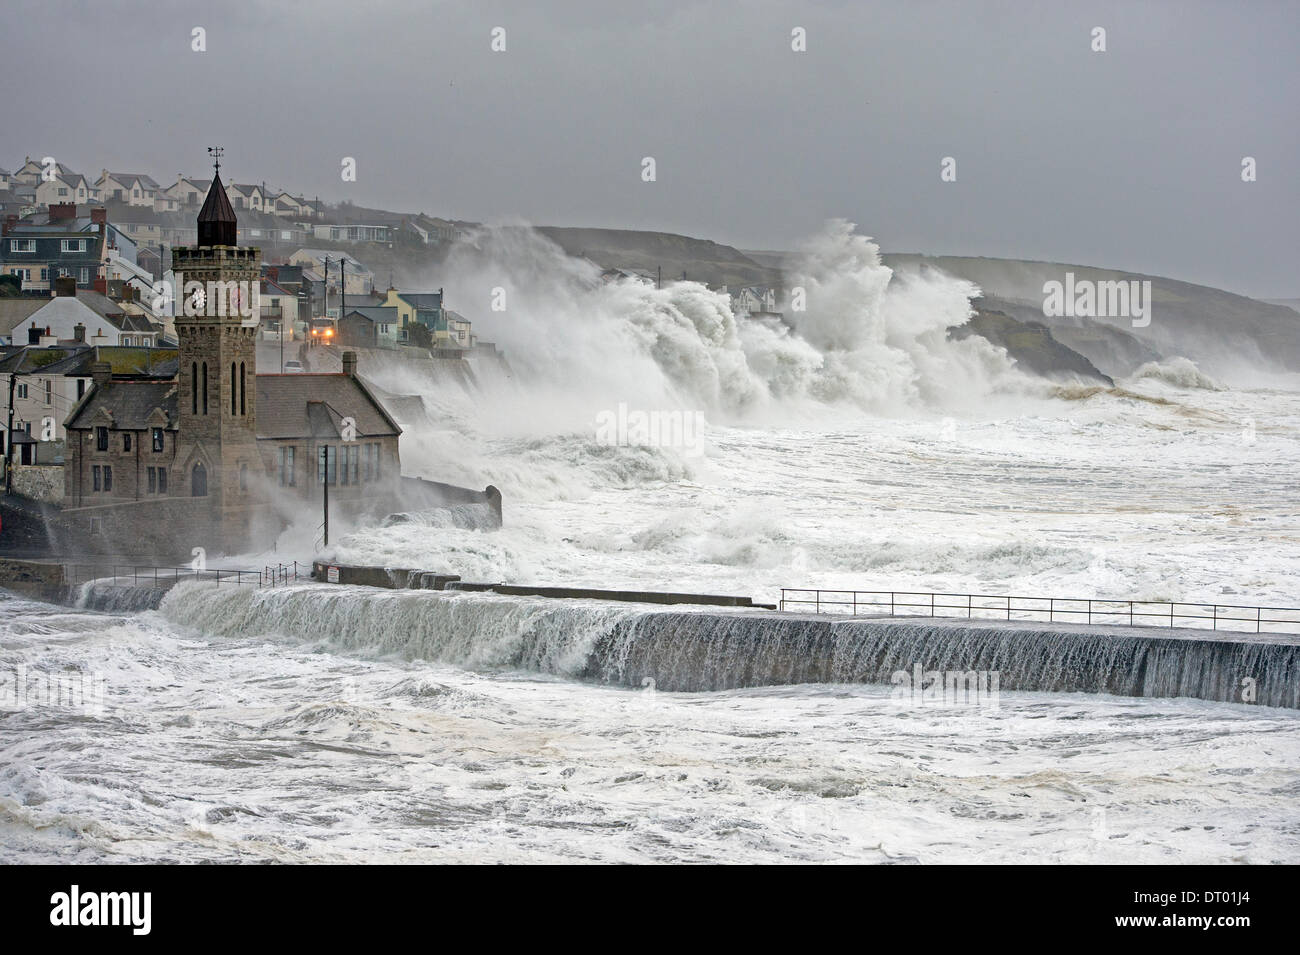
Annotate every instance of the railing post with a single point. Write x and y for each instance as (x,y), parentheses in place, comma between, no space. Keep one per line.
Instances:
(1214,625)
(1008,606)
(968,606)
(1089,611)
(1257,610)
(855,603)
(891,603)
(1051,610)
(931,605)
(1130,613)
(818,597)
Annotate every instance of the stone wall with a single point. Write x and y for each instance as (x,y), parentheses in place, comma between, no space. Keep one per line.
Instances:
(39,483)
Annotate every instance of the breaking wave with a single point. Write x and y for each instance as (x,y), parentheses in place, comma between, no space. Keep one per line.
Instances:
(1179,372)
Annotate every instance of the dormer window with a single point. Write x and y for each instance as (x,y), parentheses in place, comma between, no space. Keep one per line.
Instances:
(74,245)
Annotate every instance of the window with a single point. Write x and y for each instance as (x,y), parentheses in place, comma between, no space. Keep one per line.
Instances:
(351,457)
(194,387)
(22,245)
(95,478)
(205,394)
(157,435)
(22,391)
(63,190)
(128,340)
(49,391)
(287,476)
(199,481)
(101,439)
(74,245)
(81,388)
(153,481)
(242,379)
(126,441)
(85,276)
(108,478)
(162,480)
(378,452)
(232,389)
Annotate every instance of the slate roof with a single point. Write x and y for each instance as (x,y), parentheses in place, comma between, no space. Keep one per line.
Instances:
(126,178)
(301,406)
(35,360)
(383,314)
(217,217)
(129,402)
(15,311)
(422,299)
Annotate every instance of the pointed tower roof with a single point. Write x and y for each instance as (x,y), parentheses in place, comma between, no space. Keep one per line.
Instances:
(217,217)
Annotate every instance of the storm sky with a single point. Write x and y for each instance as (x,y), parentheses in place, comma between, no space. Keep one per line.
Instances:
(1129,158)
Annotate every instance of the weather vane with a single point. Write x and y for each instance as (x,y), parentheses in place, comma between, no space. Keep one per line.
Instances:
(216,152)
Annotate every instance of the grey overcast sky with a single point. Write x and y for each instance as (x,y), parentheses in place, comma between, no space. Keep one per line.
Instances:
(1129,158)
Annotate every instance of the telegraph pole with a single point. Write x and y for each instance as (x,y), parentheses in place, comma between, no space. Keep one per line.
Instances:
(343,287)
(325,489)
(9,437)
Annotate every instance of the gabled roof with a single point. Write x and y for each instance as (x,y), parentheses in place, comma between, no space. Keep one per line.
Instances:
(421,299)
(382,314)
(130,403)
(15,311)
(303,406)
(126,178)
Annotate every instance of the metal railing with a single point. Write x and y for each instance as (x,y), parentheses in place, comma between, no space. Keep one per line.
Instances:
(1090,610)
(149,575)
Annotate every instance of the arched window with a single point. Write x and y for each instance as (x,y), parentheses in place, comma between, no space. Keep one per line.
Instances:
(199,481)
(234,389)
(194,387)
(205,387)
(243,377)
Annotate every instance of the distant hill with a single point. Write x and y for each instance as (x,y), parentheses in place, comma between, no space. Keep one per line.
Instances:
(702,260)
(1219,330)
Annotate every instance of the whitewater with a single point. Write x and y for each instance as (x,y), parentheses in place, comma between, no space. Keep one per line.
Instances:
(851,446)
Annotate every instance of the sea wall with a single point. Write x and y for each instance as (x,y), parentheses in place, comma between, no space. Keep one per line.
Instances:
(701,650)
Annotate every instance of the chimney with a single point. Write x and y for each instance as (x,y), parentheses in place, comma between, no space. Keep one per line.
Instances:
(101,286)
(65,286)
(99,216)
(350,364)
(79,332)
(10,222)
(59,211)
(101,373)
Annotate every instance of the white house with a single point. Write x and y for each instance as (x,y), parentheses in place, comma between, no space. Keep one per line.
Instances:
(66,187)
(132,188)
(66,318)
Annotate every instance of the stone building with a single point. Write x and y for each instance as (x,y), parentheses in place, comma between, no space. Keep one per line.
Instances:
(213,457)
